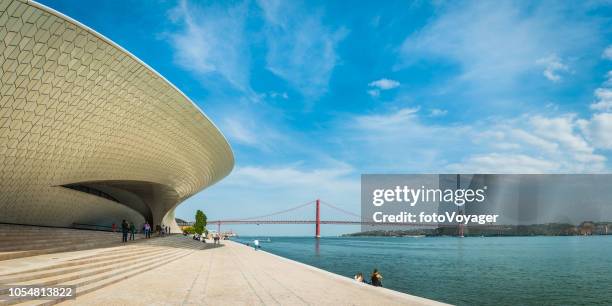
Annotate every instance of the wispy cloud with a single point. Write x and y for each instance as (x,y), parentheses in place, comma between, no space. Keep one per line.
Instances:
(337,177)
(240,132)
(251,125)
(301,49)
(500,41)
(211,41)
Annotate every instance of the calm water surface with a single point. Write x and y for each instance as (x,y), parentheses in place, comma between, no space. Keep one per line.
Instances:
(468,271)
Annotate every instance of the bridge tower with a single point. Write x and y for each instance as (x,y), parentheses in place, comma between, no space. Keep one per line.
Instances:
(318,222)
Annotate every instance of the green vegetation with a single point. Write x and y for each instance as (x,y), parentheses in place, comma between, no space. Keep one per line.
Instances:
(189,230)
(200,222)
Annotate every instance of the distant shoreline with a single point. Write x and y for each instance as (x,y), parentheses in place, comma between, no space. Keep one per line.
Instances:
(586,228)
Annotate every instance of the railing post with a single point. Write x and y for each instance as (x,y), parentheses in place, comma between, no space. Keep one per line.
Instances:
(318,224)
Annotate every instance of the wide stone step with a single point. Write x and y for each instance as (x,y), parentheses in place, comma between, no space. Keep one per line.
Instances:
(99,254)
(81,265)
(107,254)
(90,281)
(35,236)
(50,244)
(28,253)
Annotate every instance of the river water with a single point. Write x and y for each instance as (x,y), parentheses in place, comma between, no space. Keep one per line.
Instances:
(468,271)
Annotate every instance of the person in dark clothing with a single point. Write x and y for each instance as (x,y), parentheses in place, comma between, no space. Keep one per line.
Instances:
(132,230)
(125,227)
(376,278)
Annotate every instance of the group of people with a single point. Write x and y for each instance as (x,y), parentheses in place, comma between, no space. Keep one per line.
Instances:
(215,236)
(163,230)
(375,278)
(128,228)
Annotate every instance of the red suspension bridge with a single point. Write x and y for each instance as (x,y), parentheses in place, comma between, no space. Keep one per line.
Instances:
(275,218)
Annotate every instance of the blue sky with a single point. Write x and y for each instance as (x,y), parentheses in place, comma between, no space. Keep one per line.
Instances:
(312,94)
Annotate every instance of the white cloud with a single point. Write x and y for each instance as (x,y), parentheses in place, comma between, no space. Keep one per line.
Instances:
(374,92)
(384,84)
(212,41)
(604,100)
(532,140)
(603,96)
(542,145)
(553,67)
(400,141)
(562,130)
(504,163)
(599,129)
(607,54)
(380,85)
(301,49)
(438,112)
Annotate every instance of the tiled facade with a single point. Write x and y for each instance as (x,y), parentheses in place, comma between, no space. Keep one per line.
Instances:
(76,108)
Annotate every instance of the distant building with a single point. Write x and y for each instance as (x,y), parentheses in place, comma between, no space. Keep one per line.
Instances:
(586,228)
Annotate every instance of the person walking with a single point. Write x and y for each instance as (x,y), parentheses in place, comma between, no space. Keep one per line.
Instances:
(147,229)
(376,278)
(255,244)
(114,227)
(125,227)
(132,230)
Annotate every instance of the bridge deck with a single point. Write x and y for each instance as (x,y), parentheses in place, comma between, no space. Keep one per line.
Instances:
(237,275)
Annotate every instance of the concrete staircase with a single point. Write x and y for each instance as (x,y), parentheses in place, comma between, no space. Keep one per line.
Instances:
(18,241)
(98,268)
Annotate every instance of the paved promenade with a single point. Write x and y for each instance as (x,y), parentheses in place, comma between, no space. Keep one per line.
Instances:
(234,274)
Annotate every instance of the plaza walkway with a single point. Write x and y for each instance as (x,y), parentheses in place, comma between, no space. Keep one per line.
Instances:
(231,274)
